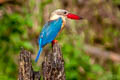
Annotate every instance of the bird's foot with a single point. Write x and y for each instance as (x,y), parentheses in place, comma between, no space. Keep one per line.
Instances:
(54,41)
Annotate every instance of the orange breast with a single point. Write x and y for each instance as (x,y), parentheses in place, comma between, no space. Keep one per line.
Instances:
(62,26)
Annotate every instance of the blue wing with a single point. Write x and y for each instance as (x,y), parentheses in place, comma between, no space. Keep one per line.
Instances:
(50,31)
(48,34)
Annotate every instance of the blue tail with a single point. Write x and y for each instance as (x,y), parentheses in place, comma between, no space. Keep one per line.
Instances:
(38,55)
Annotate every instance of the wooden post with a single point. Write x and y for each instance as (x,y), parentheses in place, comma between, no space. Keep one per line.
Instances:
(52,66)
(25,67)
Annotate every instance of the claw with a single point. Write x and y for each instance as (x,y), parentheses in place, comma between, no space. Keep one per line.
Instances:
(54,41)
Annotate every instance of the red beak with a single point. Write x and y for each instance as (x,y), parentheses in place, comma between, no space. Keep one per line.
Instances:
(73,16)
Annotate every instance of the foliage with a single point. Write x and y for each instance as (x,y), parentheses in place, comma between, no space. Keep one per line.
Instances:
(13,35)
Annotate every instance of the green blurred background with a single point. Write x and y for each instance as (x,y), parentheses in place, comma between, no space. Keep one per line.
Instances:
(91,47)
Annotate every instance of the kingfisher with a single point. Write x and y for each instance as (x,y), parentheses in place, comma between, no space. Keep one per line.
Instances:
(54,26)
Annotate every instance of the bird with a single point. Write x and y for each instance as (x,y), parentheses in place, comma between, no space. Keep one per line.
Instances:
(54,26)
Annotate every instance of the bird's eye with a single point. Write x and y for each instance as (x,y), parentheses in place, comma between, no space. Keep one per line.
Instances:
(65,12)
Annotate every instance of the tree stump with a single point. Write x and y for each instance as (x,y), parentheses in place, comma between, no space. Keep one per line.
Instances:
(52,66)
(25,67)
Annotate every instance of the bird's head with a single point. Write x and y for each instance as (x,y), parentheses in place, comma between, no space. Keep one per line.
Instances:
(64,14)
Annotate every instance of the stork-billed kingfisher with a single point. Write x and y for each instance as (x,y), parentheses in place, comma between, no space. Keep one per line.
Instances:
(53,27)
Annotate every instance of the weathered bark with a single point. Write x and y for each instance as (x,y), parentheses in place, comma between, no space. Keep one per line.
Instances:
(25,67)
(52,66)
